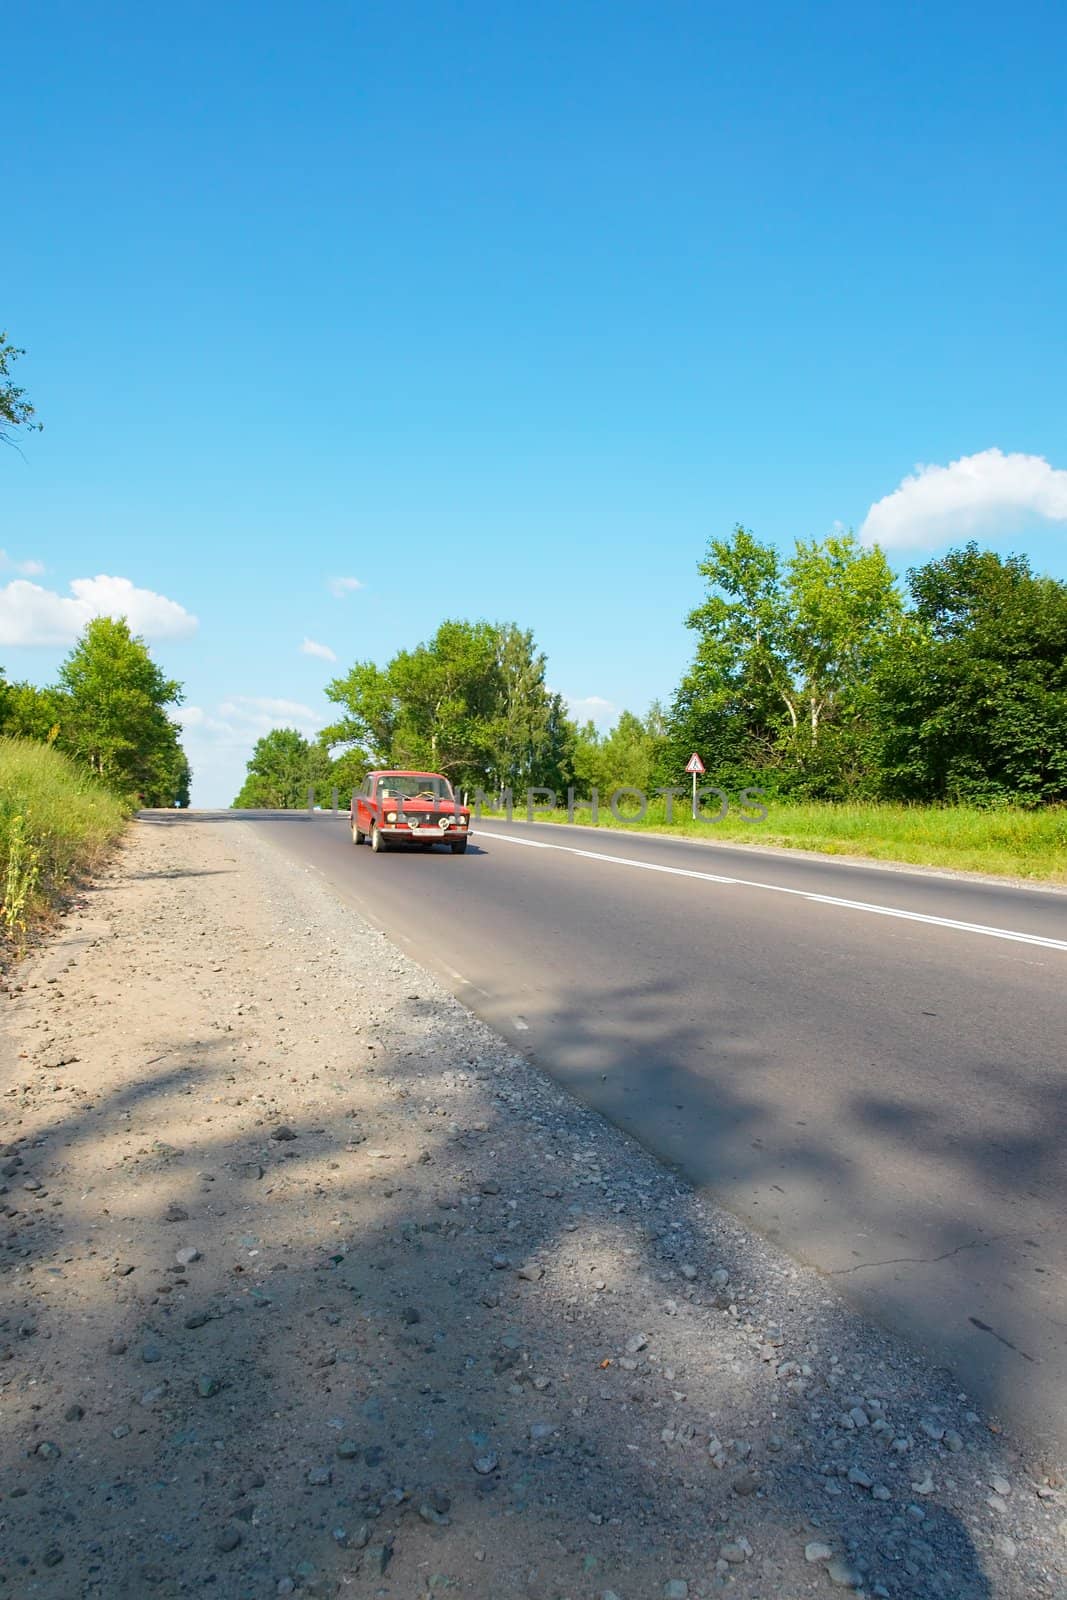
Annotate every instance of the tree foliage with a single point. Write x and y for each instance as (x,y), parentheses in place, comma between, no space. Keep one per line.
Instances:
(116,714)
(15,410)
(282,767)
(815,675)
(972,698)
(784,655)
(470,703)
(27,712)
(628,755)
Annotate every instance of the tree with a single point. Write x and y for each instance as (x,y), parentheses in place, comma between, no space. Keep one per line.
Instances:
(115,714)
(429,707)
(555,761)
(627,756)
(447,693)
(27,712)
(179,783)
(470,703)
(783,658)
(530,735)
(371,708)
(843,608)
(169,780)
(972,699)
(15,410)
(282,767)
(731,703)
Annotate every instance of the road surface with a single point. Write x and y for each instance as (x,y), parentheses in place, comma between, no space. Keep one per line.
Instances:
(867,1065)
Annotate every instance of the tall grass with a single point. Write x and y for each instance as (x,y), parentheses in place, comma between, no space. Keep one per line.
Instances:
(1005,842)
(56,822)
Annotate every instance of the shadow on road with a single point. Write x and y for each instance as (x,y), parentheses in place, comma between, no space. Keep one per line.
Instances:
(345,1348)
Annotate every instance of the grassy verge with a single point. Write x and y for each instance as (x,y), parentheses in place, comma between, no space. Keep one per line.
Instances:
(56,822)
(1009,842)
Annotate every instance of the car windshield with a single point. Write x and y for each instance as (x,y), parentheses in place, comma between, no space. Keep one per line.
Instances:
(414,786)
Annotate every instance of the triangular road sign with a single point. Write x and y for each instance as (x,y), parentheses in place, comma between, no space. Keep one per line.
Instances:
(694,764)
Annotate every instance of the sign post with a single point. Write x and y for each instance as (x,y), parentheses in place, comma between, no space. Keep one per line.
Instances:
(695,766)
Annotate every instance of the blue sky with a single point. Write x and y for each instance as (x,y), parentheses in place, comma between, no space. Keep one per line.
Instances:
(503,310)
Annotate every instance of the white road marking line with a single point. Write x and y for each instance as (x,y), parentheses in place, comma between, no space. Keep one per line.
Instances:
(800,894)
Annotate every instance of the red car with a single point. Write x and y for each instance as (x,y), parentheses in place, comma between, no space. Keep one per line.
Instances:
(410,808)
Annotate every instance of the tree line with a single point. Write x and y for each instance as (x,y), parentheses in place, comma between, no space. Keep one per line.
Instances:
(827,679)
(814,676)
(108,710)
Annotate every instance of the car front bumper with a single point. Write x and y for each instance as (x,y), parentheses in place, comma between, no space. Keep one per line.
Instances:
(433,835)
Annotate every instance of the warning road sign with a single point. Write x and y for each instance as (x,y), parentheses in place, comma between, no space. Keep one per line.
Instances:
(694,764)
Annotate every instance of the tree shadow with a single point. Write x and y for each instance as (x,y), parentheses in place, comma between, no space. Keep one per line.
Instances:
(179,818)
(179,872)
(355,1347)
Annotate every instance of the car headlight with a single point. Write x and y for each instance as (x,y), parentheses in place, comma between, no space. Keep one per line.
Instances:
(413,822)
(390,816)
(444,822)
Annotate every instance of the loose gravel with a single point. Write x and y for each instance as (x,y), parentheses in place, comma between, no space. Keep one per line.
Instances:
(312,1286)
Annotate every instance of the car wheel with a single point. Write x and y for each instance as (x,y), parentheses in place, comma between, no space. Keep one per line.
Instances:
(358,837)
(458,847)
(378,842)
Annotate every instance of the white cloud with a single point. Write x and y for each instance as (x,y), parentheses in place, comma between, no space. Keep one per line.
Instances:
(591,708)
(243,718)
(983,496)
(311,647)
(31,615)
(260,714)
(25,569)
(342,586)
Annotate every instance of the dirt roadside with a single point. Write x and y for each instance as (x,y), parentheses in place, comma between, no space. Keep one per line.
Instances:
(309,1284)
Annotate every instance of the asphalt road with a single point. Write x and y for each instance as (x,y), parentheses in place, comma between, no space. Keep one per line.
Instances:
(869,1066)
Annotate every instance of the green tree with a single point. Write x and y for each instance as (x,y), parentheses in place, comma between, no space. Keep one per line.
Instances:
(371,712)
(555,760)
(27,712)
(629,754)
(529,737)
(731,703)
(15,410)
(180,781)
(281,769)
(783,659)
(631,751)
(842,607)
(447,694)
(972,699)
(429,707)
(470,703)
(116,718)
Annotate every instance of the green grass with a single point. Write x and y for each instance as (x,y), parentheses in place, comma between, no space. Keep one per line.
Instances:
(56,823)
(1006,842)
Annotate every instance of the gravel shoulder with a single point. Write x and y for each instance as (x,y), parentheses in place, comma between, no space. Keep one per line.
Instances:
(310,1284)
